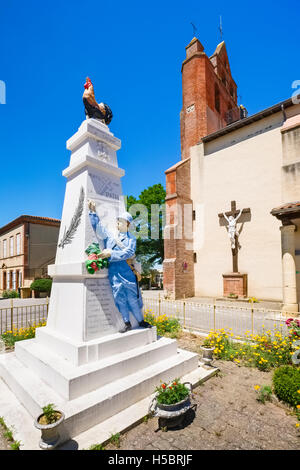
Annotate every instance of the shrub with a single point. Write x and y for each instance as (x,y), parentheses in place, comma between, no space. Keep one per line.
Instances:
(286,382)
(293,325)
(41,285)
(10,294)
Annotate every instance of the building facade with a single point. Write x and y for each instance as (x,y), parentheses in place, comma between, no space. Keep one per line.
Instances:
(252,163)
(27,246)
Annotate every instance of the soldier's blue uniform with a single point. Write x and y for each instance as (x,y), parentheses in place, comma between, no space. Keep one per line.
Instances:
(124,284)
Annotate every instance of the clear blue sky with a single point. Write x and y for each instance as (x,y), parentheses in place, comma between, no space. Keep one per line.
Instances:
(133,52)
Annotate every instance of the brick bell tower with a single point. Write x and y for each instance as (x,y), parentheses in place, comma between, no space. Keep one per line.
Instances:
(209,103)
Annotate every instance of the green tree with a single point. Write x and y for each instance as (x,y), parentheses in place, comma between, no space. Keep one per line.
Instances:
(150,220)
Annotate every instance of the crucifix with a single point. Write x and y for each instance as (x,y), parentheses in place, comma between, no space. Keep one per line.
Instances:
(231,217)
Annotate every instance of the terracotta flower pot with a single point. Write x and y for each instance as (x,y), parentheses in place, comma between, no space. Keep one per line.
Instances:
(50,432)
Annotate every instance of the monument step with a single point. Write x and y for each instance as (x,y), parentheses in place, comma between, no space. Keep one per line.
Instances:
(79,353)
(71,382)
(94,407)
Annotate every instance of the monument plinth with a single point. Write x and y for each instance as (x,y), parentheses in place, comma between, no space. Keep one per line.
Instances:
(79,361)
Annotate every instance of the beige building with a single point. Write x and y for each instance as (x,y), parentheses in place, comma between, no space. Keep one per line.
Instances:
(256,163)
(232,163)
(27,246)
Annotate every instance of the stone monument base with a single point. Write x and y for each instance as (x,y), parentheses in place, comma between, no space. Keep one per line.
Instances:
(116,371)
(235,283)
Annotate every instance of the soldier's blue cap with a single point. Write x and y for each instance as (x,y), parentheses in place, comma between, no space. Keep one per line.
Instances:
(126,216)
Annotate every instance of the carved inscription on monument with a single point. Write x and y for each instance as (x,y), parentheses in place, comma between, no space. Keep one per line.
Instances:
(105,186)
(99,308)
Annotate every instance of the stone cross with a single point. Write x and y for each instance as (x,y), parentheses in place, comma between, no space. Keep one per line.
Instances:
(234,212)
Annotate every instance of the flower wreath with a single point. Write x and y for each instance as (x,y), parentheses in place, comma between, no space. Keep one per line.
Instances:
(94,263)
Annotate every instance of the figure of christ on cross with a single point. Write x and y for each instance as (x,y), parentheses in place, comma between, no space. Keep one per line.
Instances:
(232,231)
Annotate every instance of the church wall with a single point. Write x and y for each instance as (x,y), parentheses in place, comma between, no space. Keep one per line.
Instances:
(291,156)
(297,256)
(244,166)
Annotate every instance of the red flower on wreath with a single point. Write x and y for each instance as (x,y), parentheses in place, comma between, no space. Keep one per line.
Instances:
(94,266)
(163,386)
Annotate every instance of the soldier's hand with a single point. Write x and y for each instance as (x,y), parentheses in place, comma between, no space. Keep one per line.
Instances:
(105,254)
(92,205)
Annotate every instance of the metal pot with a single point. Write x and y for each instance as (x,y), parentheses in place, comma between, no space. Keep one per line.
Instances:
(171,415)
(50,435)
(207,355)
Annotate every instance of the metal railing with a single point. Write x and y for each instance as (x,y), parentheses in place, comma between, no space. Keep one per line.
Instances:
(204,317)
(23,316)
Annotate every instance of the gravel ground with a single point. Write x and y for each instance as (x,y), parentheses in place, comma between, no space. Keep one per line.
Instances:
(228,416)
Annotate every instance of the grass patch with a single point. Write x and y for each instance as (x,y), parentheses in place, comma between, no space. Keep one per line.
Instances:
(8,434)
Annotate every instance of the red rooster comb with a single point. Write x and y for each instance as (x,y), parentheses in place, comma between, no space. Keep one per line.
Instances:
(88,83)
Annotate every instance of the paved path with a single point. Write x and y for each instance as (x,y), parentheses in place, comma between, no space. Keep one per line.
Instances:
(202,316)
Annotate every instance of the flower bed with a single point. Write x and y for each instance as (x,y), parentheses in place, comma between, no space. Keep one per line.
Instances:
(164,324)
(264,351)
(19,334)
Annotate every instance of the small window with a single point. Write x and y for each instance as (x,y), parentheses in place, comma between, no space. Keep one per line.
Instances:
(195,257)
(18,242)
(4,248)
(11,246)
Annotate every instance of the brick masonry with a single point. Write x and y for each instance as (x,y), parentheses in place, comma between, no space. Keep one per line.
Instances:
(209,92)
(235,283)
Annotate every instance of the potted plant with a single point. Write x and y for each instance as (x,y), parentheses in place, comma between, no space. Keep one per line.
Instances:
(171,402)
(207,348)
(48,422)
(232,296)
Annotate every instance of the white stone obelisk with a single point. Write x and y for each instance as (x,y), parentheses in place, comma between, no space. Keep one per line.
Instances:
(81,306)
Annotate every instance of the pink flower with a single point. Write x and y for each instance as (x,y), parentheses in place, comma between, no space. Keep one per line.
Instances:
(93,256)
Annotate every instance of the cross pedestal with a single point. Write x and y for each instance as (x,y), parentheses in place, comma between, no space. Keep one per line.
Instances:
(235,283)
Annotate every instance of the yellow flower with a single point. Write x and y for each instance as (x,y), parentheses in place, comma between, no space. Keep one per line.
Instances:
(298,391)
(297,425)
(256,387)
(298,406)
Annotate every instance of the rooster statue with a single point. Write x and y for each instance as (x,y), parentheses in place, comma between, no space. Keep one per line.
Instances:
(93,109)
